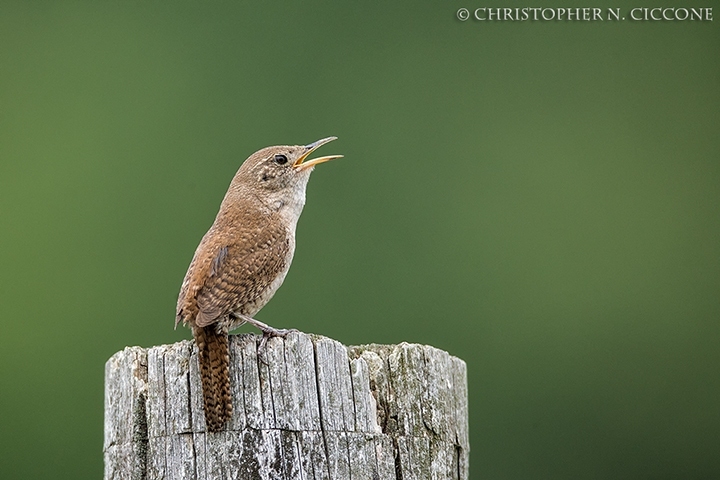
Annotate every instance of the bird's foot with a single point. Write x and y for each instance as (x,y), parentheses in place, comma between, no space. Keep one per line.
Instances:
(268,333)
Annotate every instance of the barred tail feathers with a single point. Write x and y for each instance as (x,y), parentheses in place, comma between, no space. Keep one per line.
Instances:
(214,360)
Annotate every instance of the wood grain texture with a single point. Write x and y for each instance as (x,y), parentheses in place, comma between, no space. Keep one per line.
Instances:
(315,410)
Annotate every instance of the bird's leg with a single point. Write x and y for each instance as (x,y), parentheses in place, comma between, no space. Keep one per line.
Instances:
(265,328)
(268,331)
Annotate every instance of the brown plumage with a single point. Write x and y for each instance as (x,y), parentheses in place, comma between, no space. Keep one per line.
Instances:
(215,375)
(242,260)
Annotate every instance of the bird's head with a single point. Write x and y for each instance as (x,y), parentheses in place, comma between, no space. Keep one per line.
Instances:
(278,175)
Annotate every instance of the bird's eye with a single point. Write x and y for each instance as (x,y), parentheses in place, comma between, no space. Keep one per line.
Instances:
(280,159)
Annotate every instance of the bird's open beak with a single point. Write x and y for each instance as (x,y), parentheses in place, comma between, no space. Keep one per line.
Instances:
(301,164)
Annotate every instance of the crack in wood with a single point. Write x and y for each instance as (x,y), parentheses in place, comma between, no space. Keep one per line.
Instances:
(140,439)
(320,410)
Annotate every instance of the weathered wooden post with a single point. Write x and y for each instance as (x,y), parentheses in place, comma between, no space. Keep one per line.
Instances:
(315,410)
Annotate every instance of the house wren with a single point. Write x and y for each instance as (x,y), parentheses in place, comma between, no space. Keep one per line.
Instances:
(242,261)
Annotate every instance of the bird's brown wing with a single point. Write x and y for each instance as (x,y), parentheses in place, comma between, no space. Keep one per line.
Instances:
(240,271)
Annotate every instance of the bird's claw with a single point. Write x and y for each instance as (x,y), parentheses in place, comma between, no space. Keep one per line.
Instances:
(268,333)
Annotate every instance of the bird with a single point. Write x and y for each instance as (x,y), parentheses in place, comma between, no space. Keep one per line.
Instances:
(241,262)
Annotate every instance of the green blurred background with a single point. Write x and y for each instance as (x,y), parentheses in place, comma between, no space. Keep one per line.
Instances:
(540,199)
